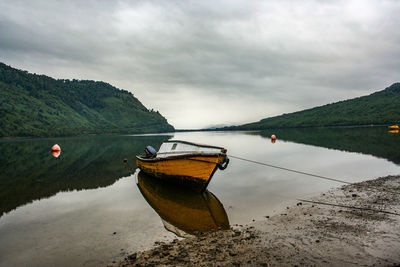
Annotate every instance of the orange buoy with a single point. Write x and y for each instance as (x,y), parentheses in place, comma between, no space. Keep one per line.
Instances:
(56,148)
(273,137)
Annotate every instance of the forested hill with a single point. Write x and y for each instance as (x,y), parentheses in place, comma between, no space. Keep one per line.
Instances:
(379,108)
(38,105)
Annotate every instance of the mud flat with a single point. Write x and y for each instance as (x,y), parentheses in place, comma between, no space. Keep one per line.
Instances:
(352,225)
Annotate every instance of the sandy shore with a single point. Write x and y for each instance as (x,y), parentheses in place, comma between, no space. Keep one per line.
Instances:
(308,233)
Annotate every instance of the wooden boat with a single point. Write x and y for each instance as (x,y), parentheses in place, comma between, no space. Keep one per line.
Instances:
(184,163)
(183,212)
(394,127)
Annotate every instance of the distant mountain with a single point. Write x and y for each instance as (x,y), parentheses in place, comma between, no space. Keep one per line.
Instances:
(379,108)
(376,141)
(38,105)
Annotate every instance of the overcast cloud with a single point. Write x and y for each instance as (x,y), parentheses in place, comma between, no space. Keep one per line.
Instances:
(203,63)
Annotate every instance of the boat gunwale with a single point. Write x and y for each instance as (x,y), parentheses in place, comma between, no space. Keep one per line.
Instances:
(183,156)
(194,144)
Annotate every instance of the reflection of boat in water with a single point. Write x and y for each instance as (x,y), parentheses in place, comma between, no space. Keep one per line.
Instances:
(184,163)
(56,154)
(394,131)
(183,212)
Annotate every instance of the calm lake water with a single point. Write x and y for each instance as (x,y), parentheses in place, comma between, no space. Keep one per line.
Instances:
(89,207)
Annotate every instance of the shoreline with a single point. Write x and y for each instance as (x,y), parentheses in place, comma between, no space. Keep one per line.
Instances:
(191,130)
(355,230)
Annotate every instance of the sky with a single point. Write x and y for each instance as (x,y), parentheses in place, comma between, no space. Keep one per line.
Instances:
(211,63)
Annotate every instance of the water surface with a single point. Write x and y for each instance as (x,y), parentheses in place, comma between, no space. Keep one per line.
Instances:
(85,207)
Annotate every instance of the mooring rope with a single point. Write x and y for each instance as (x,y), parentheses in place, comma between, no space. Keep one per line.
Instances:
(290,170)
(308,174)
(348,207)
(325,178)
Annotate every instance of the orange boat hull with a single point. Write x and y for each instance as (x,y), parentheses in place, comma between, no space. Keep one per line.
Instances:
(193,170)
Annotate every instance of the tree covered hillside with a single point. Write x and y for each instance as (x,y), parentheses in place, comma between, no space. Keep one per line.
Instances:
(379,108)
(38,105)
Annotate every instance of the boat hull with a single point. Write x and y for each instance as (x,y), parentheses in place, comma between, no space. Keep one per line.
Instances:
(194,171)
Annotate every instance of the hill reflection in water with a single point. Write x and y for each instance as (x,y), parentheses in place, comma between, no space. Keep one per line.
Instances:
(375,141)
(28,170)
(182,211)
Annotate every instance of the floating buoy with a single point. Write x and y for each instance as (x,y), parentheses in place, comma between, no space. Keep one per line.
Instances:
(56,154)
(56,148)
(273,137)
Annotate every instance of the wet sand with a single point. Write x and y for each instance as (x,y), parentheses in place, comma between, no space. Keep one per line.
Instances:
(352,231)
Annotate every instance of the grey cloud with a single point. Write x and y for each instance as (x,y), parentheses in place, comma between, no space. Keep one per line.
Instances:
(274,57)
